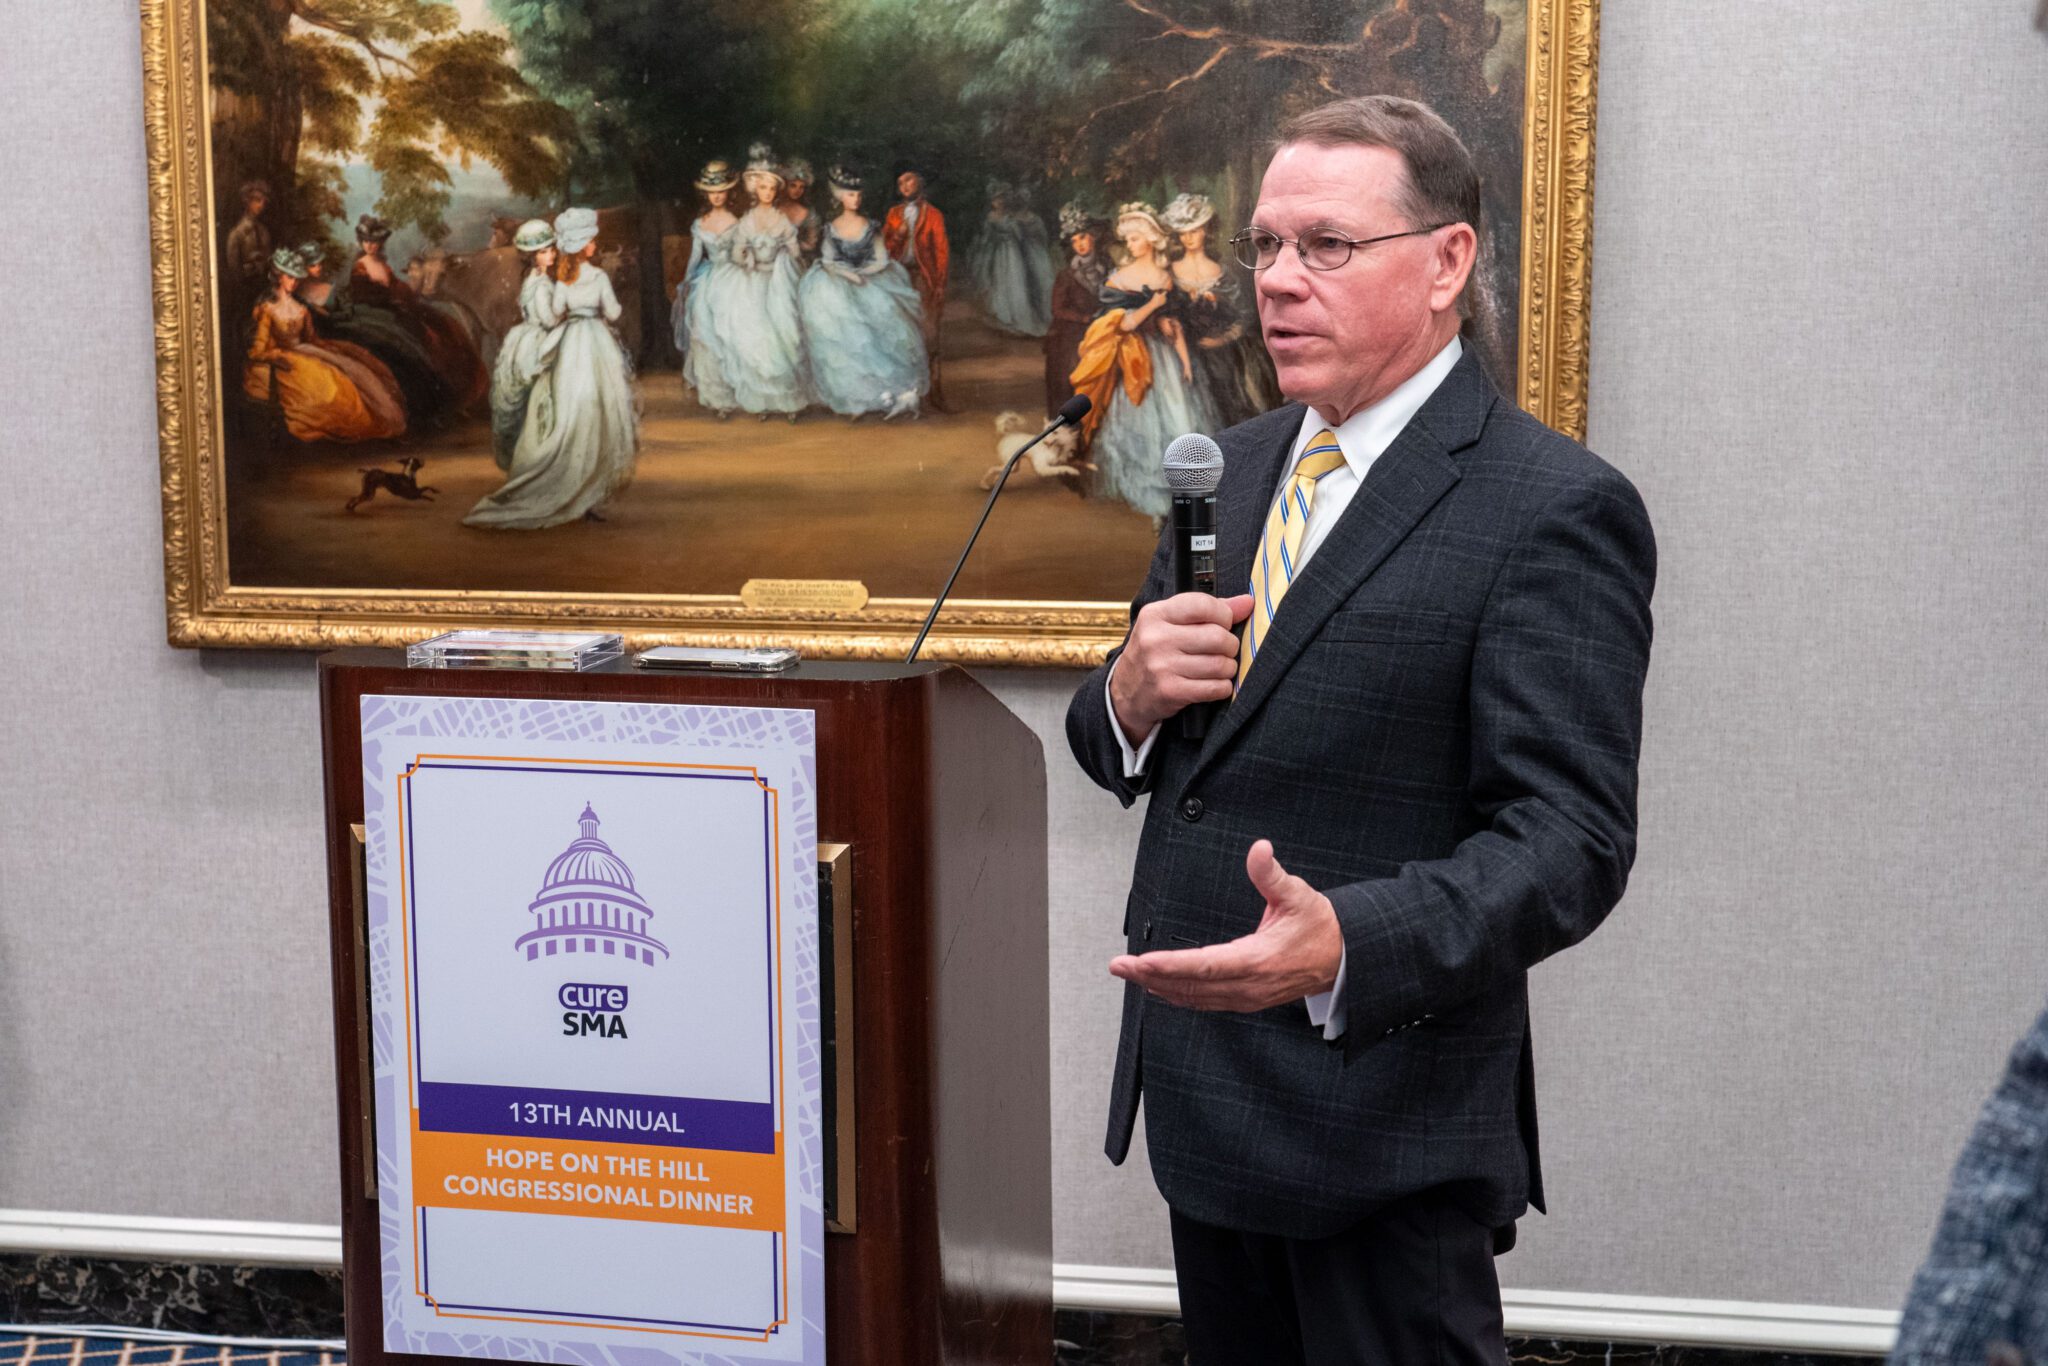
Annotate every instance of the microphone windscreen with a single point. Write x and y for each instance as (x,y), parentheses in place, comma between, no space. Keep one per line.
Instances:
(1075,408)
(1194,464)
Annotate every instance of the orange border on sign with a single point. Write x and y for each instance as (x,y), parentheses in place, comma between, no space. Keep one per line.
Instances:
(782,1072)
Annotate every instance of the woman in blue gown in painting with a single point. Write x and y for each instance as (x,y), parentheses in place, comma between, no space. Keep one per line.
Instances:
(1135,365)
(863,335)
(1012,265)
(714,219)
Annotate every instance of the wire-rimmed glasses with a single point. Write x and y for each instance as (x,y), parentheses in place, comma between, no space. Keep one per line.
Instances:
(1318,248)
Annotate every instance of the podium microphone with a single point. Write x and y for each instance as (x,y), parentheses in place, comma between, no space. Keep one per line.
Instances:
(1070,414)
(1194,467)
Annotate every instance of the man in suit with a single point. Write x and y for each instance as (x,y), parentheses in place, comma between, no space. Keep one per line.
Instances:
(1424,687)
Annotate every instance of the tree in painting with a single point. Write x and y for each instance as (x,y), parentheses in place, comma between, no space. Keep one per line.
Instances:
(300,86)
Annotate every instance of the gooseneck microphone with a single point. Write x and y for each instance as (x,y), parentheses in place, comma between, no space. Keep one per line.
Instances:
(1070,414)
(1194,467)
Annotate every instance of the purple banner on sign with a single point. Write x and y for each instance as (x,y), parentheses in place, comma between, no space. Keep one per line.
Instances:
(735,1126)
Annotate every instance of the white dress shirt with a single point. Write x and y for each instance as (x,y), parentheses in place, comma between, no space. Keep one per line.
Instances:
(909,231)
(1364,438)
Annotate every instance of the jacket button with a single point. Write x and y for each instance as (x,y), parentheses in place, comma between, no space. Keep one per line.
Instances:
(1191,809)
(1148,930)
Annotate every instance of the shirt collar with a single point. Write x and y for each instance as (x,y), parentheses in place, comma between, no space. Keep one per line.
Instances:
(1368,433)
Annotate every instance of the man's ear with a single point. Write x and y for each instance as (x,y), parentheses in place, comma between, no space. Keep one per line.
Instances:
(1457,251)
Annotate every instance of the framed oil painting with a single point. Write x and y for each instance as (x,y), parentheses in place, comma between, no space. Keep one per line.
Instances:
(710,320)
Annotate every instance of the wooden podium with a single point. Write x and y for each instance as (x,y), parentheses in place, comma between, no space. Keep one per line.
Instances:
(939,793)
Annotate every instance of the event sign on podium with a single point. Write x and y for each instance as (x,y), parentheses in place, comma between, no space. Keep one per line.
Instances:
(596,1036)
(598,1046)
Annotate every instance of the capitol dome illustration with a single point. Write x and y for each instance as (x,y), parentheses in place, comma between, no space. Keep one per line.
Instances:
(587,904)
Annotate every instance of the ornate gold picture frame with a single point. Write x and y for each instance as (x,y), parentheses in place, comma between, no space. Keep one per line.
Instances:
(232,568)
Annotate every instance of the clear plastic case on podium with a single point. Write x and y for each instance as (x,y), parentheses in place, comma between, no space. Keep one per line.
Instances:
(554,651)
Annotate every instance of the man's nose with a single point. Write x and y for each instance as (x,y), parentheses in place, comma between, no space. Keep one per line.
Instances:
(1287,277)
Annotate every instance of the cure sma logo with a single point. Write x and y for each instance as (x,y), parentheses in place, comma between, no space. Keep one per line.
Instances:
(588,905)
(593,1008)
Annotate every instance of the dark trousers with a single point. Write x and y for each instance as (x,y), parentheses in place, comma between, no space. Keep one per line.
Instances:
(1410,1285)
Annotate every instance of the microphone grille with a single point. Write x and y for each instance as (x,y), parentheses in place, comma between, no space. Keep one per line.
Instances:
(1194,464)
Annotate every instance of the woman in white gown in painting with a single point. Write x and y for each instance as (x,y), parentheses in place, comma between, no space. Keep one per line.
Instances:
(744,312)
(580,434)
(525,348)
(863,335)
(710,240)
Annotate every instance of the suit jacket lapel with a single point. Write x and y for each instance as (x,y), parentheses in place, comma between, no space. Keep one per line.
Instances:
(1243,501)
(1400,488)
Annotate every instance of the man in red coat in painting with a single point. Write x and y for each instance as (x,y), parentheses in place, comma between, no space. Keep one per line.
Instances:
(915,234)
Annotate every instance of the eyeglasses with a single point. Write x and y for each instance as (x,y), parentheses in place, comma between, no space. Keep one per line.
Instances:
(1320,249)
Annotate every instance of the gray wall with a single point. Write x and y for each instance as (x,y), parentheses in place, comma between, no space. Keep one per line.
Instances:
(1818,347)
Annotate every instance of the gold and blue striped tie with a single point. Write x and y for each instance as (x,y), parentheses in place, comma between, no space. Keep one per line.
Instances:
(1280,547)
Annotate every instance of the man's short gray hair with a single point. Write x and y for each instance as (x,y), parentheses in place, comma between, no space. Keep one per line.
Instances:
(1442,179)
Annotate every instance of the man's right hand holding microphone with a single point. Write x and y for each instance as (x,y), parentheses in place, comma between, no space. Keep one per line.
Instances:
(1182,652)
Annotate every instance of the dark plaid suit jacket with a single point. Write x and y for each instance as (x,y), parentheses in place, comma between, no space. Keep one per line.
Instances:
(1440,733)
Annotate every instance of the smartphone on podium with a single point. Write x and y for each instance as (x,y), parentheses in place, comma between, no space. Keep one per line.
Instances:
(759,659)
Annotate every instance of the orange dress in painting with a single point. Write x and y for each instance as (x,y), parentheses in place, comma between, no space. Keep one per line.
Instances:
(329,390)
(1110,356)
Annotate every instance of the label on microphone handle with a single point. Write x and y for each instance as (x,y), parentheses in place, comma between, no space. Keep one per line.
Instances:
(1194,548)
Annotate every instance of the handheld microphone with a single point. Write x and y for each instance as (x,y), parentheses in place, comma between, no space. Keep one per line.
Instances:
(1070,414)
(1194,467)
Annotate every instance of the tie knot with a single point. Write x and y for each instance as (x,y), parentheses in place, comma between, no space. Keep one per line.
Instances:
(1322,455)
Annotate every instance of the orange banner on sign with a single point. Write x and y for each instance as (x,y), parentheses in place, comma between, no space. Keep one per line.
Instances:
(599,1180)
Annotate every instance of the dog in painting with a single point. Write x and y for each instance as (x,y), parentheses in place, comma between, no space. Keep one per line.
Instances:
(402,482)
(1056,457)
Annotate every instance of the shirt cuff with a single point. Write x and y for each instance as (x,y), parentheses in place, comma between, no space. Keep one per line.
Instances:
(1326,1008)
(1134,760)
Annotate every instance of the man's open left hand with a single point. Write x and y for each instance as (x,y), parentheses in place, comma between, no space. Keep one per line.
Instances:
(1294,952)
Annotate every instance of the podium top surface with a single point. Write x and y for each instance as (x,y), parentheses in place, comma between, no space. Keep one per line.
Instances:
(805,671)
(860,684)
